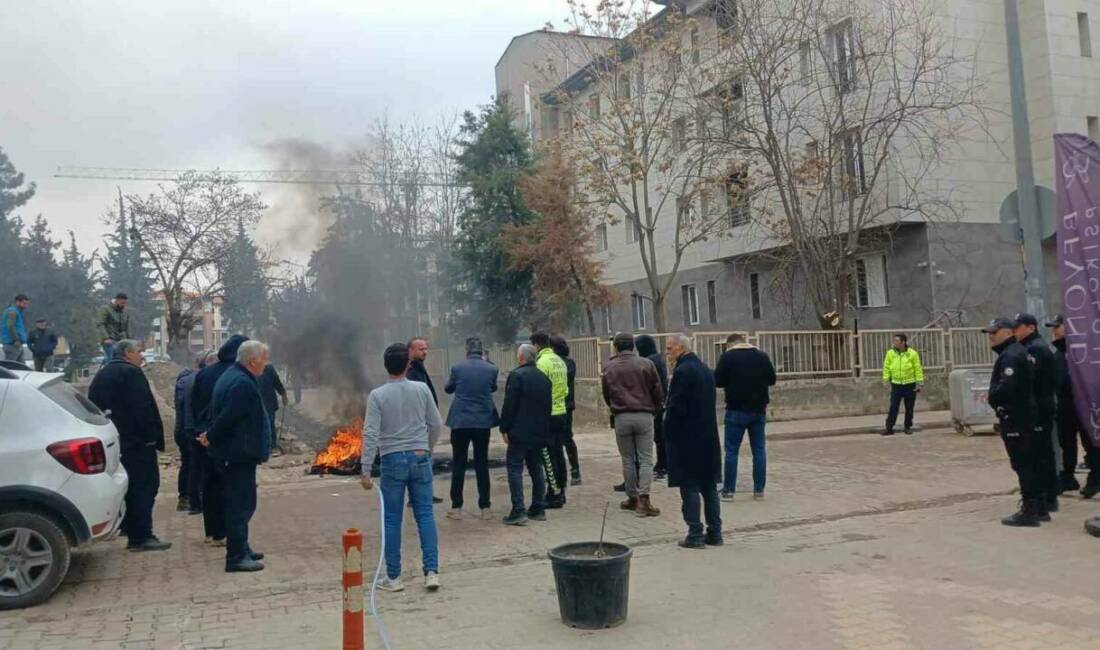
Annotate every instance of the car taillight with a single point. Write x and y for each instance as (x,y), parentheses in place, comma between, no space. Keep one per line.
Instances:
(82,455)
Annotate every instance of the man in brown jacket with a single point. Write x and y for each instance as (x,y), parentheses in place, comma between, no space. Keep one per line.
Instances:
(632,389)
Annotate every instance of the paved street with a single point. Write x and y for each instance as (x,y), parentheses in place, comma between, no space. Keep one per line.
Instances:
(863,542)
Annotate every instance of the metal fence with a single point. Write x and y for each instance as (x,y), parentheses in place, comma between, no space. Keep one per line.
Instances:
(929,343)
(969,348)
(810,354)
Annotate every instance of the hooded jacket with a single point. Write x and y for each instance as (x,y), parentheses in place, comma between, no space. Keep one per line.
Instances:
(205,381)
(646,346)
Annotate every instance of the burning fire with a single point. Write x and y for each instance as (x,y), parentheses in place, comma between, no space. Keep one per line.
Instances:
(341,455)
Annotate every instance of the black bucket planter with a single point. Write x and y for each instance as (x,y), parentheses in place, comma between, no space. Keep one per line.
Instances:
(592,591)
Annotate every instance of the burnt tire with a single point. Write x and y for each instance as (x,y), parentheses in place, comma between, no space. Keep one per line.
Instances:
(34,558)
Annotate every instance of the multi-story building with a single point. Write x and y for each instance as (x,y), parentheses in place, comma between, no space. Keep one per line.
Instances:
(208,333)
(963,269)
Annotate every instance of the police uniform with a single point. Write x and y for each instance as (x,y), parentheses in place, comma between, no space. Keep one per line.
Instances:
(1011,394)
(1046,383)
(1069,426)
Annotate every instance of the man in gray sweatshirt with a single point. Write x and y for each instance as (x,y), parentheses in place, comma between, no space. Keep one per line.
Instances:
(402,424)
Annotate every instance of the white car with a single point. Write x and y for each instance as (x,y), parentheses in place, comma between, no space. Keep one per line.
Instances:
(62,484)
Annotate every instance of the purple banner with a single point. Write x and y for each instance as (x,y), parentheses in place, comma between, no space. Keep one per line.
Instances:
(1077,176)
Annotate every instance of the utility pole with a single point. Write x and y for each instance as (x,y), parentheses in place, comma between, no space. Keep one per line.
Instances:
(1026,193)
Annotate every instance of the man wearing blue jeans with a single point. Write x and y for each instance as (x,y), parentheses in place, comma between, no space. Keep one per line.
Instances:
(745,372)
(402,424)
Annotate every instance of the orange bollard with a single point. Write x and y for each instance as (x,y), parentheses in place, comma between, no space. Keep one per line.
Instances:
(353,589)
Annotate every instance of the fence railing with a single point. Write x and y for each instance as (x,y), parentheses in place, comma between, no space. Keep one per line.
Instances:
(969,348)
(929,343)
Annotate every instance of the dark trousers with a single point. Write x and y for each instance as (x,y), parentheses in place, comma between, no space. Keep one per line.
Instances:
(460,445)
(659,441)
(571,445)
(695,498)
(144,472)
(1044,451)
(1069,430)
(1021,441)
(516,458)
(213,497)
(240,505)
(184,441)
(274,432)
(195,477)
(554,458)
(43,364)
(898,394)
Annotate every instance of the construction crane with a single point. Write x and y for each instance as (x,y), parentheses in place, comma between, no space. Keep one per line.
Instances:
(291,176)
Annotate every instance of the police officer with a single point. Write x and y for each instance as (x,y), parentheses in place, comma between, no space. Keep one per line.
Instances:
(1026,331)
(1011,394)
(1069,425)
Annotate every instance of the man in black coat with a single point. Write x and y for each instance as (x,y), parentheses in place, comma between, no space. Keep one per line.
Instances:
(745,373)
(272,390)
(647,349)
(121,388)
(691,432)
(561,348)
(1026,331)
(418,352)
(238,440)
(213,489)
(525,424)
(42,341)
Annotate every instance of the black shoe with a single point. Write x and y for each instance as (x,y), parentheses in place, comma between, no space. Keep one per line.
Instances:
(516,518)
(1092,526)
(183,503)
(888,432)
(692,542)
(621,487)
(555,502)
(575,480)
(256,555)
(536,515)
(714,539)
(195,511)
(246,565)
(1092,486)
(1025,516)
(659,475)
(1067,482)
(149,544)
(1051,504)
(437,500)
(908,432)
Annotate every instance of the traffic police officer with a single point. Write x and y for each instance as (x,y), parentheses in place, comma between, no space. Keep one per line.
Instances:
(1011,394)
(1026,331)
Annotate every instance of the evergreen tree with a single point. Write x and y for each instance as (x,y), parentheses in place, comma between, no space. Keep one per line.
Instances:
(493,155)
(76,317)
(125,270)
(247,306)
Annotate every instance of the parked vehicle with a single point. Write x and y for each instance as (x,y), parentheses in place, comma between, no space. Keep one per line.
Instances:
(61,482)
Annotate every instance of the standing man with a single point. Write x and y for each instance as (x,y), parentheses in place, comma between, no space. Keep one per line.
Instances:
(691,430)
(272,391)
(472,414)
(121,388)
(1026,331)
(185,435)
(239,439)
(402,423)
(561,348)
(557,372)
(632,390)
(1012,397)
(418,353)
(213,487)
(745,373)
(1069,425)
(525,425)
(42,341)
(113,323)
(13,328)
(902,372)
(647,349)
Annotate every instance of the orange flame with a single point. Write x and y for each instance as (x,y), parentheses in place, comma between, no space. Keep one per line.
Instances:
(343,449)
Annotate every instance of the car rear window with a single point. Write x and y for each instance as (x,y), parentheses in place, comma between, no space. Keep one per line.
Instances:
(74,402)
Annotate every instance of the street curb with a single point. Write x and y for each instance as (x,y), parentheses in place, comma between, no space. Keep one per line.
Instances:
(852,431)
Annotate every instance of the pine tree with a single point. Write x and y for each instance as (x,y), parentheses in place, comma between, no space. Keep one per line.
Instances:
(247,305)
(493,154)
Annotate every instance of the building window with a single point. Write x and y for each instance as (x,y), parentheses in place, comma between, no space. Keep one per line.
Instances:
(712,302)
(640,81)
(871,287)
(805,62)
(1084,35)
(683,209)
(701,123)
(633,230)
(594,106)
(624,86)
(550,122)
(637,309)
(850,172)
(679,134)
(725,15)
(605,318)
(1093,127)
(704,205)
(842,44)
(737,200)
(695,55)
(754,295)
(732,105)
(568,120)
(690,299)
(601,237)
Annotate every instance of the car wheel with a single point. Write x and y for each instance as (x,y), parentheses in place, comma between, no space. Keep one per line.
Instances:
(34,558)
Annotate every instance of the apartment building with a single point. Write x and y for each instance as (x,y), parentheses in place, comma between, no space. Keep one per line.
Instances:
(959,270)
(209,332)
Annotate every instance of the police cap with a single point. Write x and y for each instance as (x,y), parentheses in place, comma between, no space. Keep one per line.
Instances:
(998,324)
(1026,319)
(1056,321)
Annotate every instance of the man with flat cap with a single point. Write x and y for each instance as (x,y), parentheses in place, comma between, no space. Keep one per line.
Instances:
(1026,331)
(1012,397)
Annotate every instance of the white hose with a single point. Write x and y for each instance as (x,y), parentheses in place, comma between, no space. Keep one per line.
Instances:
(378,572)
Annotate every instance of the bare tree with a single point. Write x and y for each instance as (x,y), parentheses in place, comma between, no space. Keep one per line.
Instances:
(185,229)
(848,109)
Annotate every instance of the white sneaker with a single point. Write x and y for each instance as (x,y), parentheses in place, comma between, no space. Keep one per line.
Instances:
(431,581)
(454,513)
(486,514)
(390,584)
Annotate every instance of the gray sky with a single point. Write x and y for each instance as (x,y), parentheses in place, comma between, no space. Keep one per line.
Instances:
(203,83)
